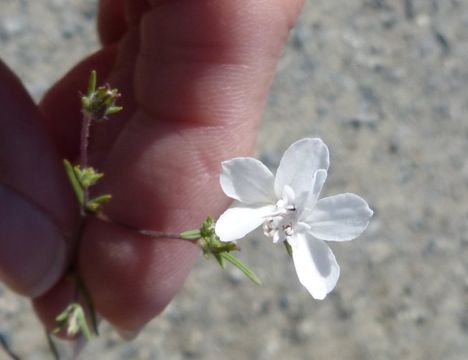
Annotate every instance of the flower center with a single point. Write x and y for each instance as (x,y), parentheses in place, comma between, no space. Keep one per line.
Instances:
(280,225)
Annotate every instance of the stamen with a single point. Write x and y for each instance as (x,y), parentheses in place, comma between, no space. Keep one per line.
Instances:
(280,222)
(288,230)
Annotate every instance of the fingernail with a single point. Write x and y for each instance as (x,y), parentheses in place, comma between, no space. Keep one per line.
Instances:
(32,249)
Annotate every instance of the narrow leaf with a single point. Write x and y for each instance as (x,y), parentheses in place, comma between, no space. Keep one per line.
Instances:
(94,204)
(102,199)
(83,324)
(75,183)
(224,247)
(191,234)
(288,247)
(92,83)
(113,110)
(242,267)
(220,260)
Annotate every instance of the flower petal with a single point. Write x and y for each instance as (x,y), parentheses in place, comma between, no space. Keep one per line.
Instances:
(237,222)
(339,218)
(299,164)
(247,180)
(317,184)
(315,265)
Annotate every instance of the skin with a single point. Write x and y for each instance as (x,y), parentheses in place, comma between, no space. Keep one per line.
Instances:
(194,76)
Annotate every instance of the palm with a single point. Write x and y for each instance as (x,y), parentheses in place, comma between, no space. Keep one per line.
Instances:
(193,77)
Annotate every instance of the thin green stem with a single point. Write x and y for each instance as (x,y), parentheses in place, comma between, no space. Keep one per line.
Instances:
(149,233)
(80,288)
(84,142)
(162,234)
(89,303)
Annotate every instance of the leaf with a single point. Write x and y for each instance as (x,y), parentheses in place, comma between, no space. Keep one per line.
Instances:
(224,247)
(191,234)
(73,319)
(242,267)
(113,110)
(92,82)
(220,260)
(82,323)
(75,183)
(288,247)
(207,228)
(87,176)
(94,204)
(102,199)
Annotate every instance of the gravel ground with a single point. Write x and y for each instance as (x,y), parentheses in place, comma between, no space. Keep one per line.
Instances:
(384,83)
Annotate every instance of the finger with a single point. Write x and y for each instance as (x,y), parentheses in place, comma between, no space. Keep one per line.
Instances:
(115,17)
(37,222)
(112,22)
(117,22)
(201,78)
(199,59)
(122,78)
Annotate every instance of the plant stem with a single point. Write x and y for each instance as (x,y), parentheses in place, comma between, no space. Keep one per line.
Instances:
(80,288)
(89,303)
(161,234)
(149,233)
(84,142)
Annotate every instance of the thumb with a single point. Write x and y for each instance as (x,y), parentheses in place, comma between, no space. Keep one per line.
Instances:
(35,218)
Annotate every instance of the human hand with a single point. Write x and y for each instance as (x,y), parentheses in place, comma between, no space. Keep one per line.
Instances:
(194,77)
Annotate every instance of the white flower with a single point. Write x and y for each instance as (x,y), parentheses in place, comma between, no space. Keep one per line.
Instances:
(287,206)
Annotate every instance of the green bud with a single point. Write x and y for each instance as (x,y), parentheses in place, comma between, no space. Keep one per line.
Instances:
(87,176)
(210,244)
(73,320)
(99,103)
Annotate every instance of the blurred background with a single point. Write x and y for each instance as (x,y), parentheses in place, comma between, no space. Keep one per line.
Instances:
(385,84)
